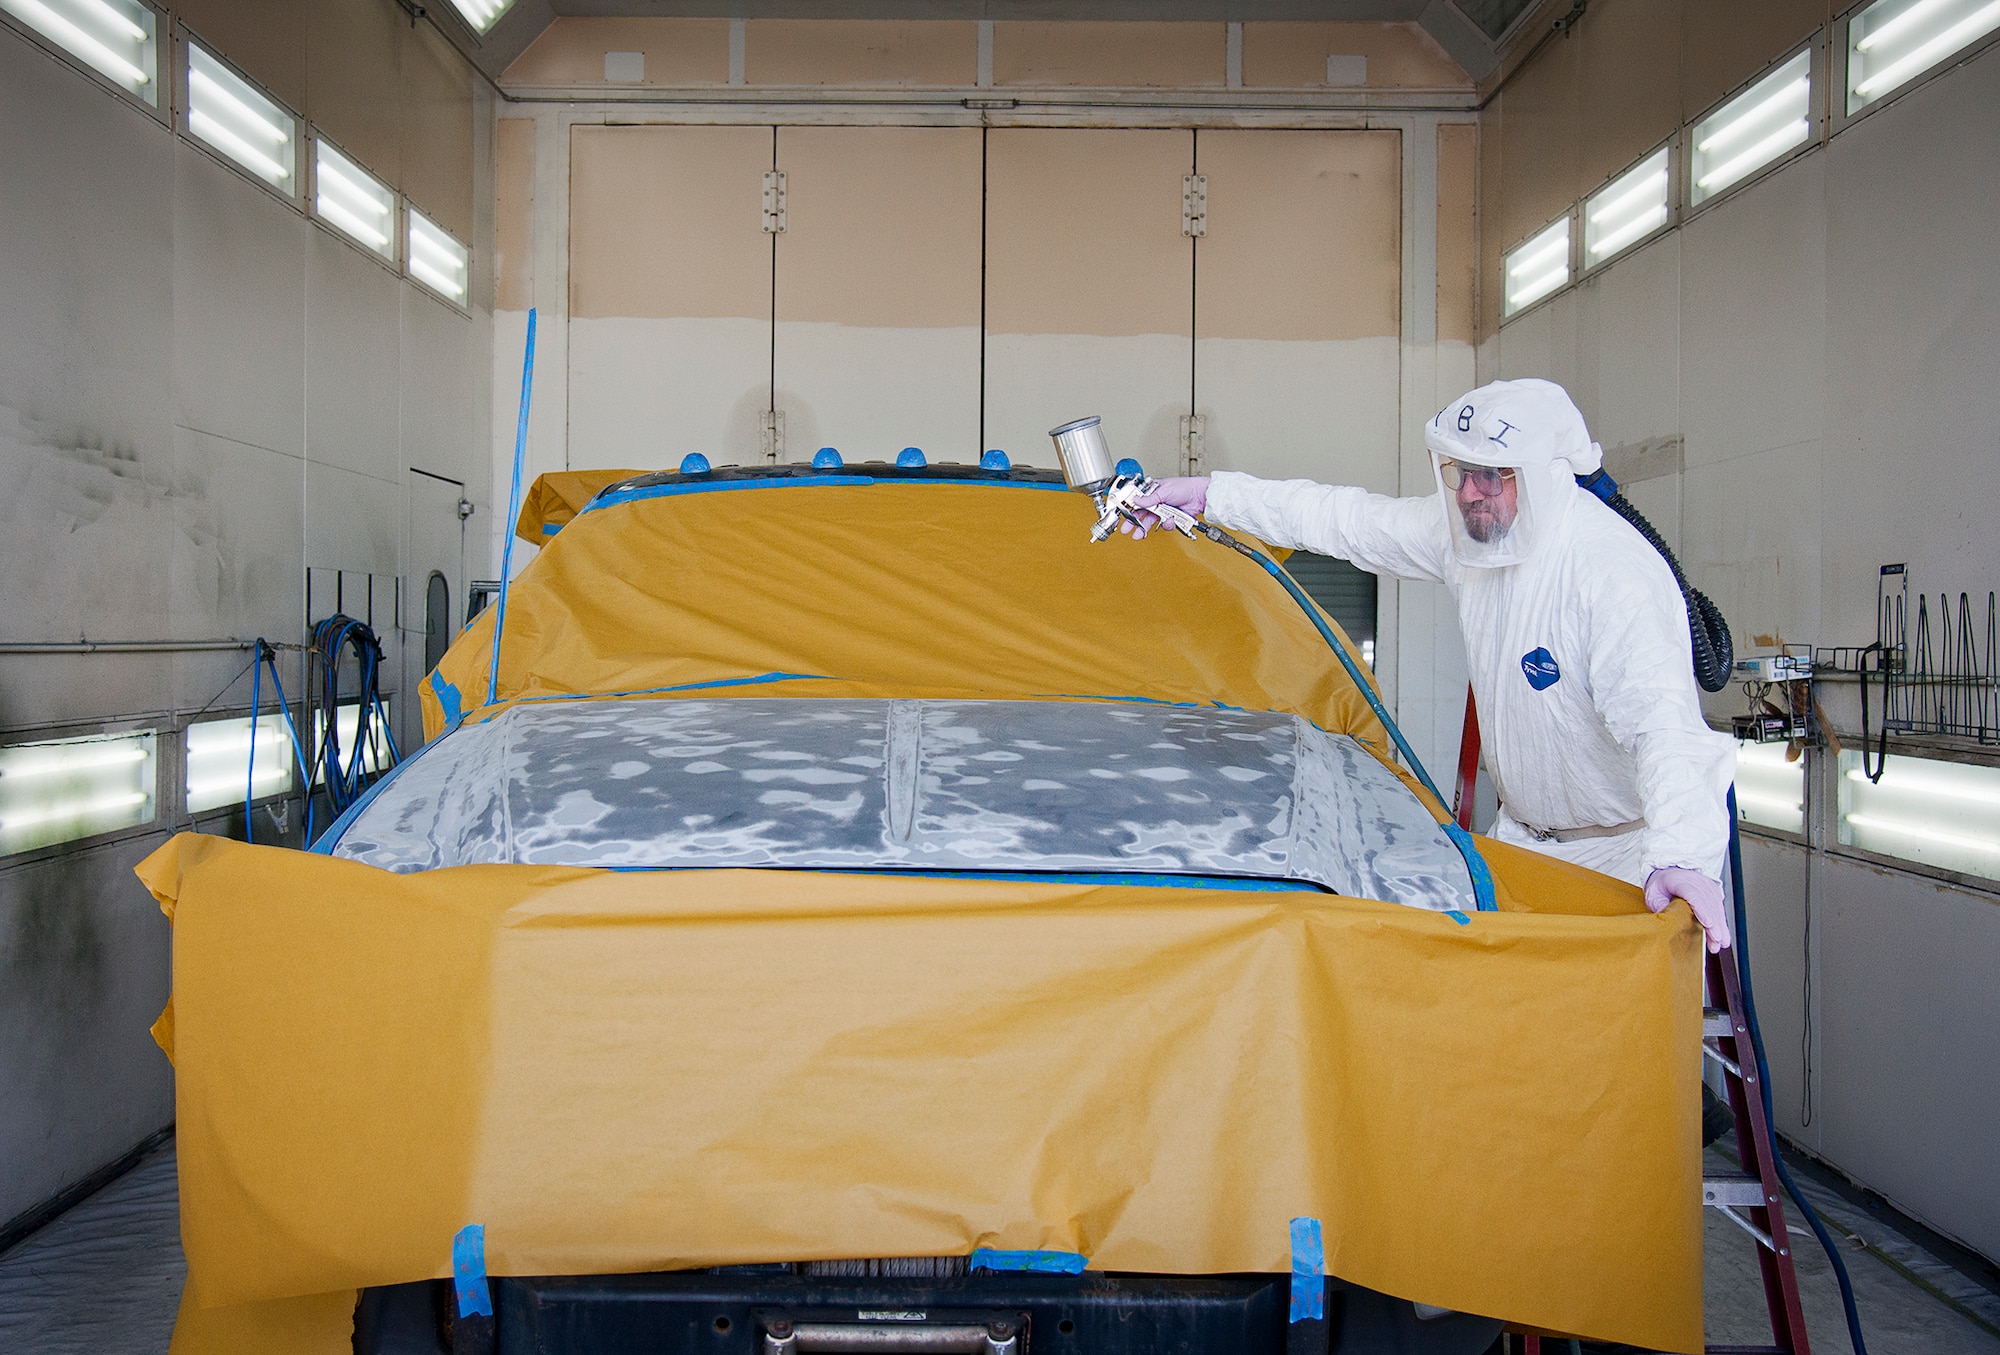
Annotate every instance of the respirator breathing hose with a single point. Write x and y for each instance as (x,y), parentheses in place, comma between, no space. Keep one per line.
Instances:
(1714,654)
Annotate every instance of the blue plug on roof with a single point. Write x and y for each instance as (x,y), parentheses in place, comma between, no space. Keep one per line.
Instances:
(994,459)
(827,458)
(911,456)
(1127,466)
(694,463)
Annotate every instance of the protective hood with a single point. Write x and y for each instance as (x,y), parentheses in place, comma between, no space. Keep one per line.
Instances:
(1530,427)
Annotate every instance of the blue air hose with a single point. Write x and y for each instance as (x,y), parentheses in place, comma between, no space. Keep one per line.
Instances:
(265,656)
(346,780)
(1764,1086)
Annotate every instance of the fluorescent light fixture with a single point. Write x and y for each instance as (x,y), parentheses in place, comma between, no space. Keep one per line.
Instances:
(228,113)
(1770,792)
(1927,810)
(481,14)
(218,761)
(353,201)
(1753,129)
(1630,207)
(116,38)
(1538,267)
(75,788)
(435,259)
(1893,40)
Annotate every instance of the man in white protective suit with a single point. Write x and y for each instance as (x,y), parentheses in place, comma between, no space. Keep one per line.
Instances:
(1575,631)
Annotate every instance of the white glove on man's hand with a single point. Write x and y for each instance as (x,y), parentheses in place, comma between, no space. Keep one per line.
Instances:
(1189,493)
(1703,895)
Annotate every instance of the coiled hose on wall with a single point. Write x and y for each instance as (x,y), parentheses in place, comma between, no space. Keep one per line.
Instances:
(374,750)
(1714,654)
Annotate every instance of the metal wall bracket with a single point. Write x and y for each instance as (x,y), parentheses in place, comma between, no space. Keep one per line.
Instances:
(774,202)
(1194,205)
(1194,444)
(774,435)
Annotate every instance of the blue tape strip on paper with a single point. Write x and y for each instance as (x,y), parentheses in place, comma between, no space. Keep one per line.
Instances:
(1308,1271)
(468,1272)
(1458,917)
(1044,1262)
(449,700)
(820,480)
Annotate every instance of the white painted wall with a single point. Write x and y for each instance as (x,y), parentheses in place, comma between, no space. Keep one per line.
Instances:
(1826,341)
(202,394)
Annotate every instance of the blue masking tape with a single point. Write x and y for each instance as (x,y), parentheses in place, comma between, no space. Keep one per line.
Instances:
(448,699)
(1308,1271)
(1046,1262)
(468,1272)
(1458,917)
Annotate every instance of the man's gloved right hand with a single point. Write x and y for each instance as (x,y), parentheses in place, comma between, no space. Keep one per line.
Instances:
(1703,895)
(1189,493)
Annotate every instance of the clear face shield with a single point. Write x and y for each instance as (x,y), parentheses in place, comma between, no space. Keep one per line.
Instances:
(1493,510)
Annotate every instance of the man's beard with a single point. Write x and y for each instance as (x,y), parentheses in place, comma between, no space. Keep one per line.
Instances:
(1483,525)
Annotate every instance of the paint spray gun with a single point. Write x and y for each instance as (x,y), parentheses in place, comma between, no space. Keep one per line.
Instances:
(1112,486)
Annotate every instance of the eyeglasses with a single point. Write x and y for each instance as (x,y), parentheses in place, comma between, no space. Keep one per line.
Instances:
(1484,479)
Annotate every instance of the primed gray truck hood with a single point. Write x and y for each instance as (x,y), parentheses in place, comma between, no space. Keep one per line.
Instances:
(844,784)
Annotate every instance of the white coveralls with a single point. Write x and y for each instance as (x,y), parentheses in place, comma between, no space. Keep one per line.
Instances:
(1579,655)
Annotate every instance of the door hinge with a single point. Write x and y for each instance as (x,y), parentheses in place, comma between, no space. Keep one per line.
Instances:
(774,202)
(774,435)
(1194,205)
(1194,444)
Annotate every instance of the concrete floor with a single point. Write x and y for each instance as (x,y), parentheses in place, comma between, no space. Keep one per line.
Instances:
(105,1278)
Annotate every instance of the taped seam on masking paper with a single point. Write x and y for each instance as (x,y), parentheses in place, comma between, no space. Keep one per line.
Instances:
(468,1272)
(1308,1271)
(1047,1262)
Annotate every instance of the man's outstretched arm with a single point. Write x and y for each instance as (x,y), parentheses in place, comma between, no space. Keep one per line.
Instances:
(1405,538)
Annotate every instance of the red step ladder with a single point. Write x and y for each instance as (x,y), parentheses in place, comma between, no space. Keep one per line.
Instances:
(1751,1199)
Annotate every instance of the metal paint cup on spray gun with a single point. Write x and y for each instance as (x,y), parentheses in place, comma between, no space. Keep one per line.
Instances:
(1088,469)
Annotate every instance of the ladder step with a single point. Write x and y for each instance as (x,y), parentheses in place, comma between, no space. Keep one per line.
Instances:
(1714,1023)
(1742,1191)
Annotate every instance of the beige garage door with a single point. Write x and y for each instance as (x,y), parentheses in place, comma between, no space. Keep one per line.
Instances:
(1297,288)
(876,341)
(670,294)
(1089,289)
(953,290)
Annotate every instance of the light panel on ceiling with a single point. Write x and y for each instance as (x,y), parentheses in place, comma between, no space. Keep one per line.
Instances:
(1753,129)
(482,14)
(1538,267)
(1626,210)
(119,39)
(353,201)
(435,259)
(1893,41)
(232,116)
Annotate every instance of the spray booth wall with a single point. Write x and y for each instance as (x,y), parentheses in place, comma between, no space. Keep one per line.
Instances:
(1808,365)
(203,393)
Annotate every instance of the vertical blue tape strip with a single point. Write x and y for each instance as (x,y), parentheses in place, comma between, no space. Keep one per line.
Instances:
(448,701)
(513,504)
(1475,865)
(468,1272)
(1308,1271)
